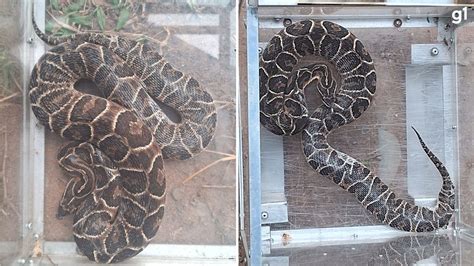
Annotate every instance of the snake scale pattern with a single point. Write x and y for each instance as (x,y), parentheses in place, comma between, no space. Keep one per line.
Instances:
(117,188)
(344,75)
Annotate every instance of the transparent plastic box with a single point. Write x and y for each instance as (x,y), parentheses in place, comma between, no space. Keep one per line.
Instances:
(199,225)
(424,67)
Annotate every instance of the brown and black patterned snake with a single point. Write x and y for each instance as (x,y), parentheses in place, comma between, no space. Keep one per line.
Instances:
(344,75)
(117,190)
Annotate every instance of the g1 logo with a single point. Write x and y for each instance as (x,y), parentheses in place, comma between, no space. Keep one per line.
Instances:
(459,15)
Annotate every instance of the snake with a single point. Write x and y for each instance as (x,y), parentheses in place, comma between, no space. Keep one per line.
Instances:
(325,55)
(119,135)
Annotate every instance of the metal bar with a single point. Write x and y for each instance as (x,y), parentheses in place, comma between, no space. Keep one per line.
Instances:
(274,205)
(324,11)
(239,162)
(254,136)
(288,239)
(450,121)
(391,3)
(277,23)
(456,57)
(32,181)
(278,2)
(430,54)
(68,260)
(421,2)
(181,252)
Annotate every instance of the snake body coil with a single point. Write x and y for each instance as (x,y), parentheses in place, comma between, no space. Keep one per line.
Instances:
(117,188)
(345,94)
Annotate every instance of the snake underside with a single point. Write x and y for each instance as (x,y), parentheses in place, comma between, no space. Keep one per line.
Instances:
(117,188)
(343,72)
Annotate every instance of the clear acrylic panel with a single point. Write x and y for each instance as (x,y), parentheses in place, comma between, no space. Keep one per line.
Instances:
(422,61)
(196,38)
(11,117)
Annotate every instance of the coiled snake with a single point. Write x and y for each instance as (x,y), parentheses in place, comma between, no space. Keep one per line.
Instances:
(346,81)
(117,187)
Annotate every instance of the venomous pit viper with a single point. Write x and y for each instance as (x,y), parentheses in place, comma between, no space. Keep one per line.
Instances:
(117,189)
(346,93)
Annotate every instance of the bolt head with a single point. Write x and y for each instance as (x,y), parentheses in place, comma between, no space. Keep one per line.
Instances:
(434,51)
(264,215)
(397,23)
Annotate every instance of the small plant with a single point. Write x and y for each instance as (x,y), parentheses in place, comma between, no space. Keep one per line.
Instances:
(9,70)
(71,16)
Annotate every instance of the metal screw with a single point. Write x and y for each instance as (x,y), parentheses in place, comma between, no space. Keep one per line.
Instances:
(36,236)
(468,50)
(21,261)
(277,19)
(260,50)
(397,23)
(454,127)
(434,51)
(264,215)
(287,22)
(29,226)
(408,18)
(30,261)
(325,254)
(29,40)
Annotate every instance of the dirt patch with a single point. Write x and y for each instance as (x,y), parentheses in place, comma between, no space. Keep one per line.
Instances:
(10,144)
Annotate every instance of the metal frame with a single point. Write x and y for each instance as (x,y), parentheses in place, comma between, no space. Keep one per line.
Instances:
(421,57)
(193,253)
(32,181)
(33,248)
(287,239)
(254,136)
(361,2)
(274,204)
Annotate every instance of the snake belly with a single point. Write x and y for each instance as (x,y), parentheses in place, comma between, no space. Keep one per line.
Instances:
(117,187)
(345,95)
